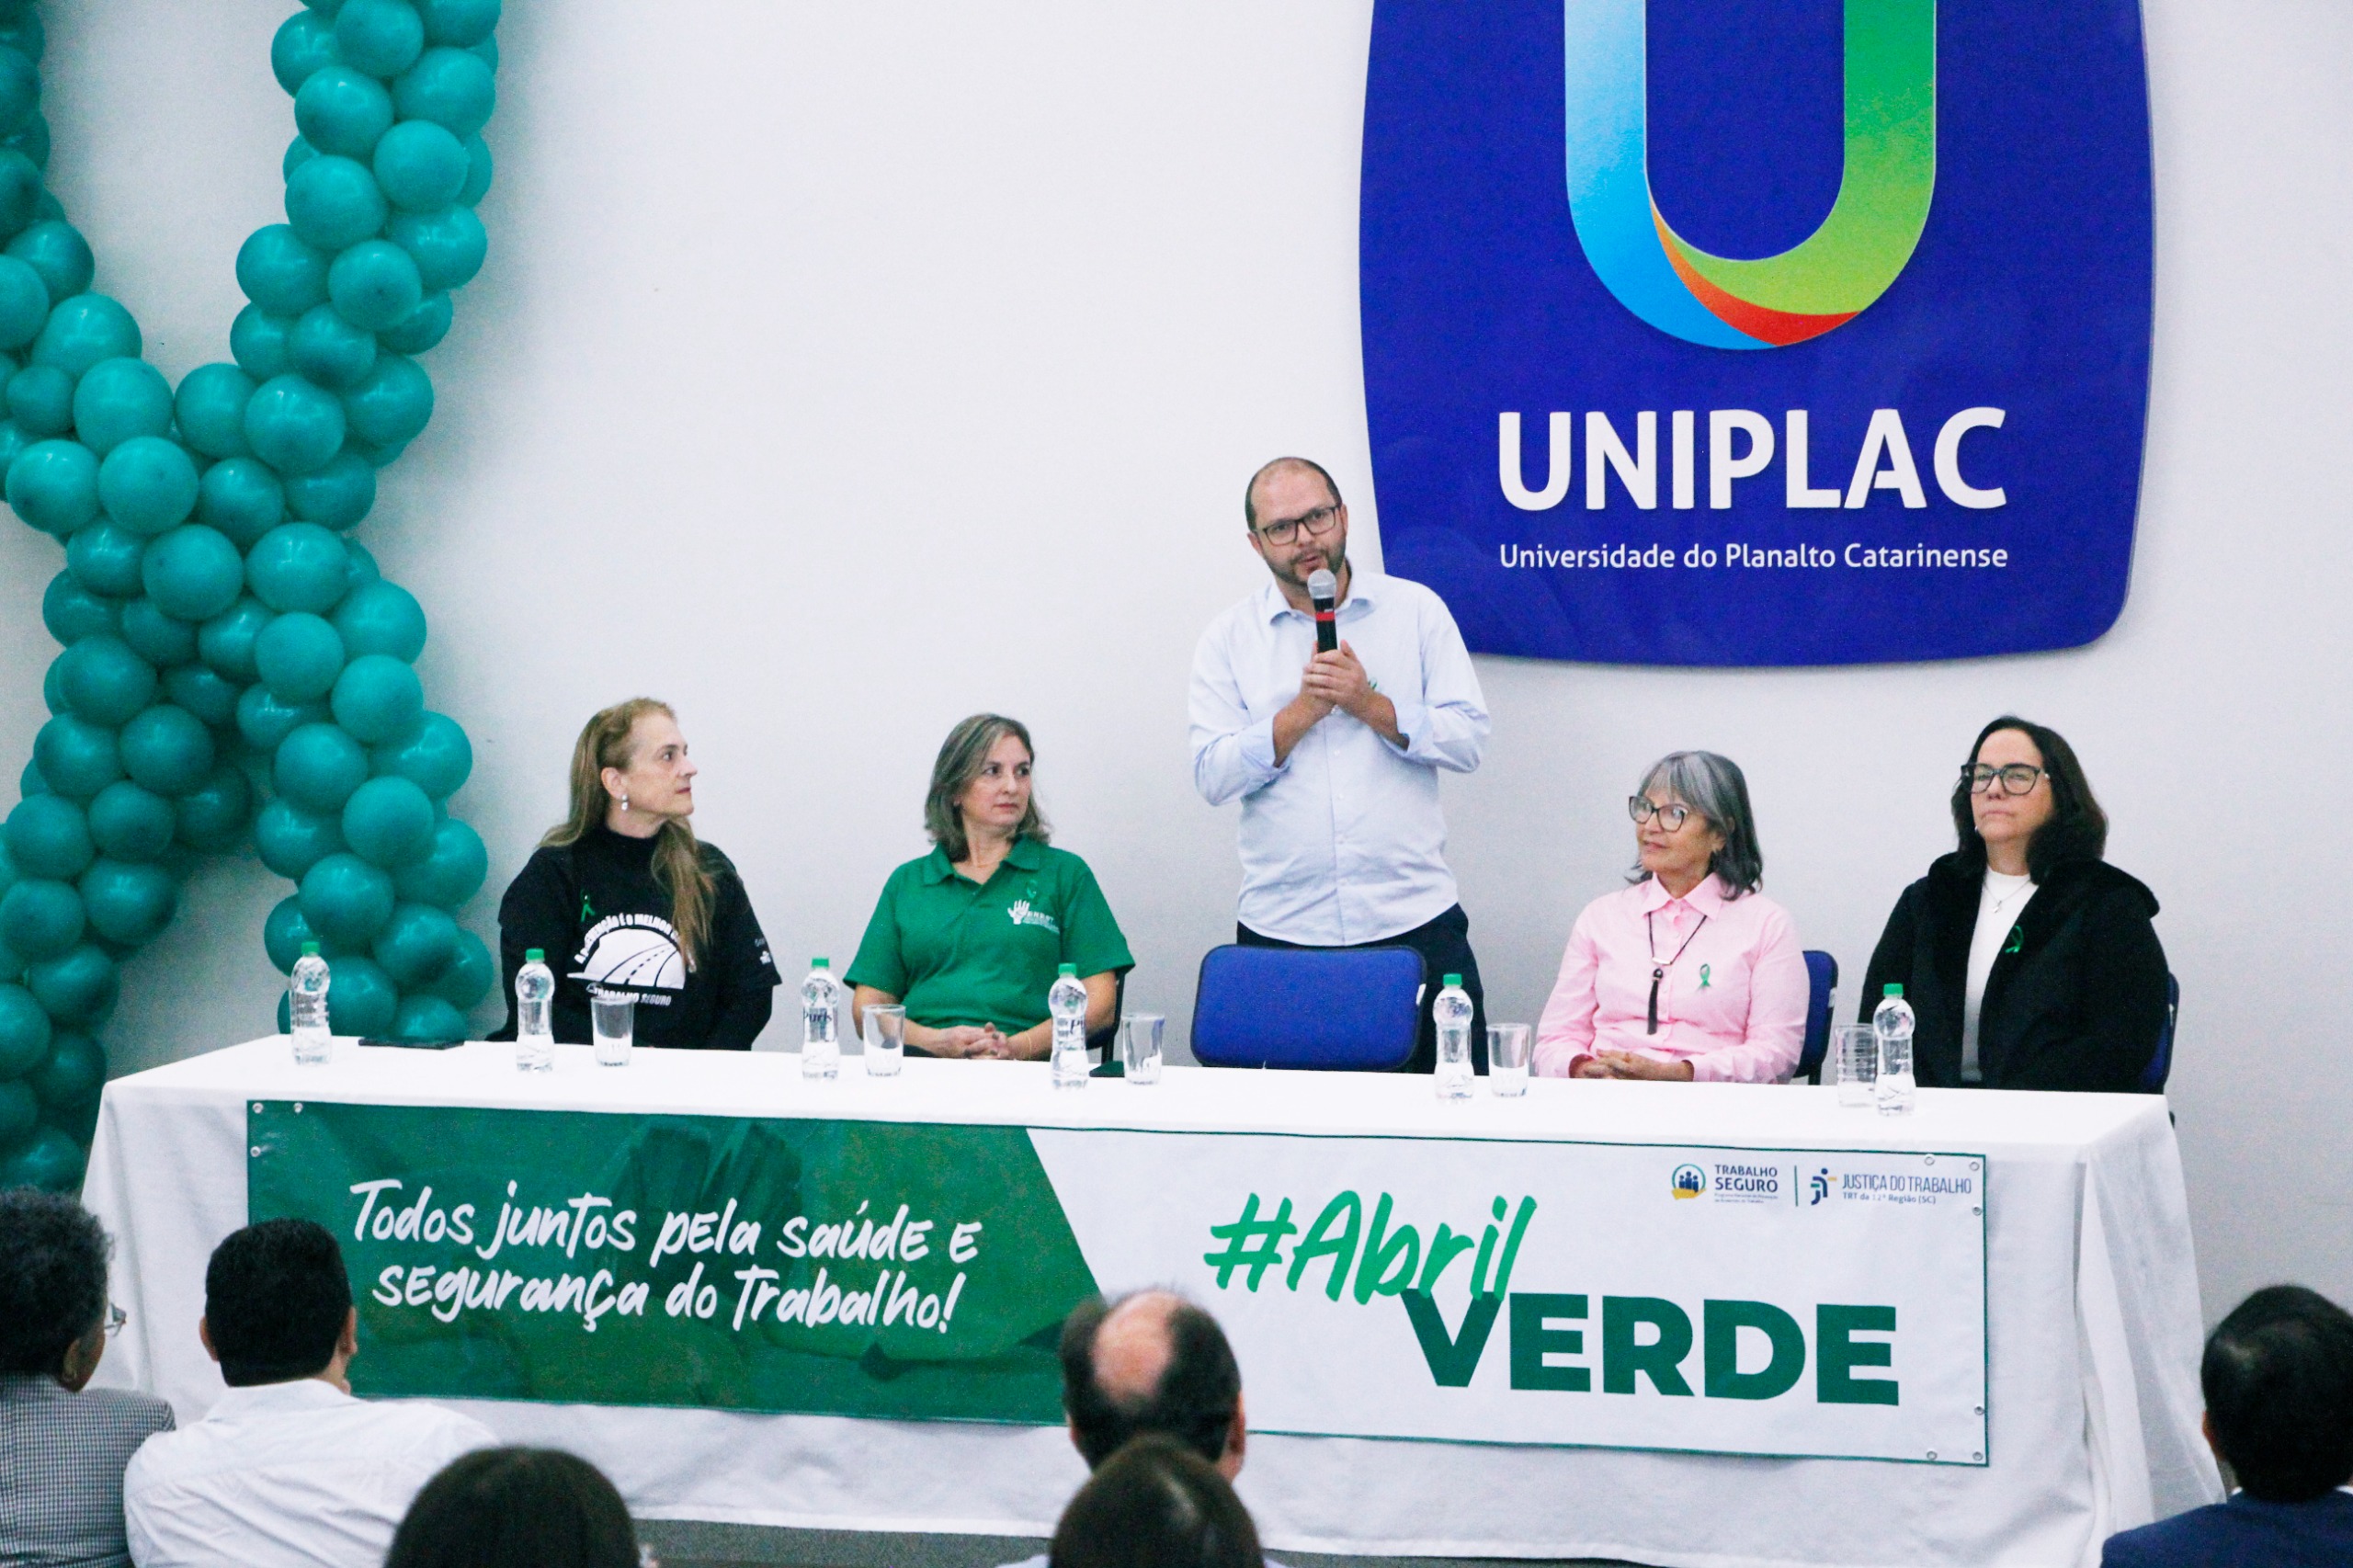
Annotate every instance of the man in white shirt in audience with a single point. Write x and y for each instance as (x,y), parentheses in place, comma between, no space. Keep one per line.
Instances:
(287,1468)
(1335,757)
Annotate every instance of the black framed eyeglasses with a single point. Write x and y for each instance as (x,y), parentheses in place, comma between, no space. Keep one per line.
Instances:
(1670,817)
(1316,524)
(115,1318)
(2017,779)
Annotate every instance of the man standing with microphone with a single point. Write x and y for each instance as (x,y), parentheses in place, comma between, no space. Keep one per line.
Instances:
(1327,702)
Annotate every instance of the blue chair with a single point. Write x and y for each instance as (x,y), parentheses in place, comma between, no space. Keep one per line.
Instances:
(2160,1067)
(1353,1007)
(1822,991)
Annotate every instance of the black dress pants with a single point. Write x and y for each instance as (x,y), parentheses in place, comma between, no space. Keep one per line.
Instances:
(1444,946)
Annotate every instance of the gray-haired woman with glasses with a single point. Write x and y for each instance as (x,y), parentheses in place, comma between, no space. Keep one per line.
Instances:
(2029,962)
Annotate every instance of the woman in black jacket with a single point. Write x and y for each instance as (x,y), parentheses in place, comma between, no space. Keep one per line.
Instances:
(2029,962)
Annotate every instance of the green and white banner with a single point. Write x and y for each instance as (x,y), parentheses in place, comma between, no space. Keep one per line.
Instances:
(1822,1303)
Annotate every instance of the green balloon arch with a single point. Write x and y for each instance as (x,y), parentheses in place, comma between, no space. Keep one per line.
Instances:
(233,664)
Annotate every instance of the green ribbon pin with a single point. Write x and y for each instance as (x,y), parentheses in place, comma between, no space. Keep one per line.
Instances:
(2017,940)
(1703,977)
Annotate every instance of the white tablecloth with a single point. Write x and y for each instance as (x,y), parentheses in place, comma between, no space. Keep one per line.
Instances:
(2092,1309)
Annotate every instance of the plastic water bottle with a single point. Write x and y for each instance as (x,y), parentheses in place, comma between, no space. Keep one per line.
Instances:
(534,1026)
(1067,1002)
(820,997)
(1452,1011)
(306,1008)
(1891,1027)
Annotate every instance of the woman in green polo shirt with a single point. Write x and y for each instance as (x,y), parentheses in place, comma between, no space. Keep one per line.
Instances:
(971,936)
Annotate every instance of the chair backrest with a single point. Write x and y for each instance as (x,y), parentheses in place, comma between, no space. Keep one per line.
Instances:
(1351,1007)
(2160,1067)
(1821,1001)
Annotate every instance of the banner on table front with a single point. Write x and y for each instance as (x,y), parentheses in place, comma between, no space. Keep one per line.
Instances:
(1752,1302)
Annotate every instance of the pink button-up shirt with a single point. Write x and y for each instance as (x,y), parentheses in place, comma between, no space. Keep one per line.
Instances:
(1732,1005)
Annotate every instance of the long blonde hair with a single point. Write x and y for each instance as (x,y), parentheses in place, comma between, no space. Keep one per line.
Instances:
(680,864)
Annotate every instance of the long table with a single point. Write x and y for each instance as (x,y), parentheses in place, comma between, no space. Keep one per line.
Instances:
(1523,1403)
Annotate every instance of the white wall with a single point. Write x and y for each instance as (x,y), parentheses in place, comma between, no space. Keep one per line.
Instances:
(839,371)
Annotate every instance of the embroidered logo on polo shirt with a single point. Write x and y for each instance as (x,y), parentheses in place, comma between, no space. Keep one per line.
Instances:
(632,952)
(1022,915)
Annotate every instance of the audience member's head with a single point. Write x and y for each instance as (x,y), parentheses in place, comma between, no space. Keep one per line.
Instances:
(517,1508)
(1155,1504)
(277,1303)
(2278,1383)
(1151,1362)
(52,1287)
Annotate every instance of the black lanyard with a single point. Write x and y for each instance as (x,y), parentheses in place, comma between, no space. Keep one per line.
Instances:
(1658,969)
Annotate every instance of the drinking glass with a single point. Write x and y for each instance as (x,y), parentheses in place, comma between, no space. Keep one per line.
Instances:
(1507,1050)
(1139,1047)
(612,1017)
(1854,1054)
(886,1040)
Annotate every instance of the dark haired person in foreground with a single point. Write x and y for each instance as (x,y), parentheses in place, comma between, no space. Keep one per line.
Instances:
(2279,1383)
(287,1468)
(1156,1503)
(63,1445)
(517,1508)
(2028,961)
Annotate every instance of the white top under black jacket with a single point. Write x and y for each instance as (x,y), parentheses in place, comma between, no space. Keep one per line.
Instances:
(595,909)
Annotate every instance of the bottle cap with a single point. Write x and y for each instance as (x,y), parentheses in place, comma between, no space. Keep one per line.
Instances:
(1893,991)
(309,949)
(820,963)
(535,955)
(1068,969)
(1453,979)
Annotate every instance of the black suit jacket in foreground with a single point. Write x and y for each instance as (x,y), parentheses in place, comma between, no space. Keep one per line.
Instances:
(2078,997)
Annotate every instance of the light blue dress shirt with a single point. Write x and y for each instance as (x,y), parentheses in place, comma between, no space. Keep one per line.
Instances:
(1343,843)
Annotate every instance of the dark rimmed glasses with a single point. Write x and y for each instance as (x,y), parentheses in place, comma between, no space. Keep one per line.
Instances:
(1670,817)
(1315,524)
(2017,779)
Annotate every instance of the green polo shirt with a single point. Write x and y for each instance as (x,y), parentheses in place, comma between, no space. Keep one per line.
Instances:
(960,952)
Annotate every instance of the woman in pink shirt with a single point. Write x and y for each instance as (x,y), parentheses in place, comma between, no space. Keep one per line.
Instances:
(1691,973)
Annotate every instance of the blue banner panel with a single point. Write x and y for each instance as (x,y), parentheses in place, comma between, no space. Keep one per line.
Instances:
(1759,332)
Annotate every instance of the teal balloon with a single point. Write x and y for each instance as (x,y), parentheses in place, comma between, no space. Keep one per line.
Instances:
(471,973)
(427,1017)
(284,931)
(48,836)
(73,612)
(377,698)
(292,839)
(20,1111)
(193,573)
(79,986)
(53,485)
(298,656)
(76,758)
(304,43)
(295,426)
(258,342)
(24,1031)
(280,272)
(460,24)
(117,399)
(128,822)
(363,570)
(107,558)
(343,110)
(57,252)
(329,350)
(298,153)
(24,304)
(361,999)
(449,245)
(20,87)
(381,617)
(211,408)
(375,285)
(433,755)
(452,873)
(156,637)
(129,902)
(344,898)
(393,404)
(148,483)
(299,567)
(73,1073)
(51,1162)
(334,203)
(22,31)
(30,782)
(212,816)
(225,642)
(479,174)
(450,87)
(338,495)
(417,944)
(318,766)
(426,327)
(389,822)
(53,687)
(40,401)
(13,439)
(167,749)
(203,693)
(105,682)
(84,329)
(264,722)
(422,167)
(381,37)
(40,919)
(21,184)
(242,497)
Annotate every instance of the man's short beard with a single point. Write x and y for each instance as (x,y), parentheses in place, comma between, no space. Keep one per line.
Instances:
(1336,562)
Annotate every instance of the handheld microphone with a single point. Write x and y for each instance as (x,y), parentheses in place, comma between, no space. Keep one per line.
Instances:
(1324,589)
